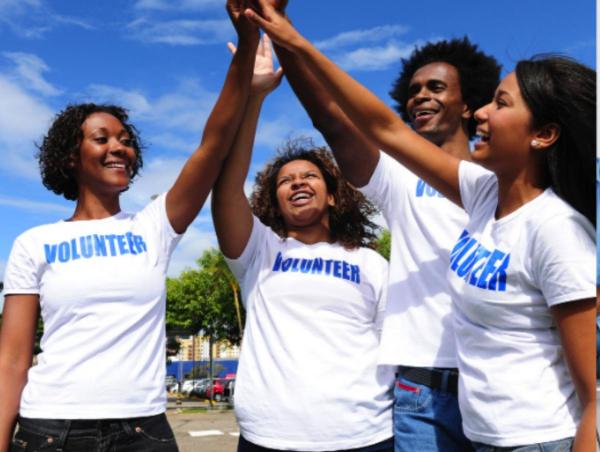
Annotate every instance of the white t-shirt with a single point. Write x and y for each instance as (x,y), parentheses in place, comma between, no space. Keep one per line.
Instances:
(101,285)
(417,330)
(505,274)
(308,377)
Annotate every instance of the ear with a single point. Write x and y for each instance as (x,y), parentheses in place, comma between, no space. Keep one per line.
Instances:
(467,113)
(330,200)
(546,136)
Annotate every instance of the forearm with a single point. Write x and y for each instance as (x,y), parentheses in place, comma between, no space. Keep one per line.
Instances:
(356,156)
(228,110)
(576,323)
(229,200)
(12,382)
(585,437)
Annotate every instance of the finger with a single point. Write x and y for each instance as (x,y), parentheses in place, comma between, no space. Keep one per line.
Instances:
(232,48)
(266,43)
(279,74)
(261,46)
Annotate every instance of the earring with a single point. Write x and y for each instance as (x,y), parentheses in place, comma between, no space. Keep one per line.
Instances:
(535,143)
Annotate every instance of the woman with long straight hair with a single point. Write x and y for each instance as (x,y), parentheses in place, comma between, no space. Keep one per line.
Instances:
(522,271)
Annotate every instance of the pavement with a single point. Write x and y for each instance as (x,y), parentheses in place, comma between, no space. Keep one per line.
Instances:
(198,427)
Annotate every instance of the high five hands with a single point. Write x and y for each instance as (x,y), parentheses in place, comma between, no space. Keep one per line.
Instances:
(265,79)
(245,28)
(269,15)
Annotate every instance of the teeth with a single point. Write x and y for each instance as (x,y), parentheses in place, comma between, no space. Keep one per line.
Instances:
(115,165)
(423,113)
(300,196)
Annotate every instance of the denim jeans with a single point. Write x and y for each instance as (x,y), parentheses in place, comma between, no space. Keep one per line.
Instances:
(385,446)
(143,434)
(427,420)
(561,445)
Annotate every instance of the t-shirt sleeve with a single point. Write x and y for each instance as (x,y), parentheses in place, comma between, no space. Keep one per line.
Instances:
(563,259)
(22,274)
(155,215)
(251,253)
(477,185)
(386,182)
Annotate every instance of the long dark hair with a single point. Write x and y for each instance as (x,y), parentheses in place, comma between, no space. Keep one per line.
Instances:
(562,91)
(348,219)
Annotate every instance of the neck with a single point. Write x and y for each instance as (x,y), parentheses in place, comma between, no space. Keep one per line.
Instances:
(516,191)
(456,144)
(314,233)
(93,207)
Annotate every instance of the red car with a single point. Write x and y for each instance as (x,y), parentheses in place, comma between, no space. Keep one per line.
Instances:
(221,388)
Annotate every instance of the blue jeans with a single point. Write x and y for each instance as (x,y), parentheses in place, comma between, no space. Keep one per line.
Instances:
(143,434)
(385,446)
(561,445)
(427,420)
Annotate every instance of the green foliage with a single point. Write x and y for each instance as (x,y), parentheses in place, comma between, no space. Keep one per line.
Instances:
(383,243)
(203,300)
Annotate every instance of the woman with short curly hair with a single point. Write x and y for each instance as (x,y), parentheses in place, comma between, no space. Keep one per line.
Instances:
(98,279)
(314,295)
(349,221)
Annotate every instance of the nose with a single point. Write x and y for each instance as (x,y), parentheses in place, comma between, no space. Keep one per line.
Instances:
(116,146)
(298,183)
(422,95)
(481,114)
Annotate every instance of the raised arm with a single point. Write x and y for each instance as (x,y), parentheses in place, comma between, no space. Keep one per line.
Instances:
(373,118)
(186,197)
(17,336)
(356,156)
(576,322)
(230,209)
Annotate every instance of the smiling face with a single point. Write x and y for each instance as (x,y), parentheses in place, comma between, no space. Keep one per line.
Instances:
(302,196)
(106,158)
(435,104)
(504,129)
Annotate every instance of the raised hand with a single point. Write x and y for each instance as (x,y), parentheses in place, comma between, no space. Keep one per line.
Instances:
(244,27)
(265,79)
(273,23)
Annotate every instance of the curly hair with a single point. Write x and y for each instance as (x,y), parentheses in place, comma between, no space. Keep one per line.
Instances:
(60,146)
(349,220)
(478,73)
(559,90)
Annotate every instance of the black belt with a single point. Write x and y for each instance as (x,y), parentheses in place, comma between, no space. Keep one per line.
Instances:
(432,378)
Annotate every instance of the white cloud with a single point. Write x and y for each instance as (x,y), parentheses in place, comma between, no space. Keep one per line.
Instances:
(23,120)
(375,34)
(181,5)
(184,109)
(182,32)
(192,245)
(373,58)
(29,68)
(34,206)
(34,18)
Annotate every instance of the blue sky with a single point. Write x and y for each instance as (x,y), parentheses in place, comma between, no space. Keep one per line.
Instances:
(165,61)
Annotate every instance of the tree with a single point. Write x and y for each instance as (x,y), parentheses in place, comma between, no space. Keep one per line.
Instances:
(204,300)
(383,243)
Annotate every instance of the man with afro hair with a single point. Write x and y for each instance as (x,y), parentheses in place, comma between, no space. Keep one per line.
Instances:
(439,89)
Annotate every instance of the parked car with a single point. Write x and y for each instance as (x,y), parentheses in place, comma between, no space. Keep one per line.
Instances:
(221,389)
(199,388)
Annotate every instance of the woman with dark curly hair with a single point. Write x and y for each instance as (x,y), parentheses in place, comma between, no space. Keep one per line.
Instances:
(98,279)
(314,295)
(522,271)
